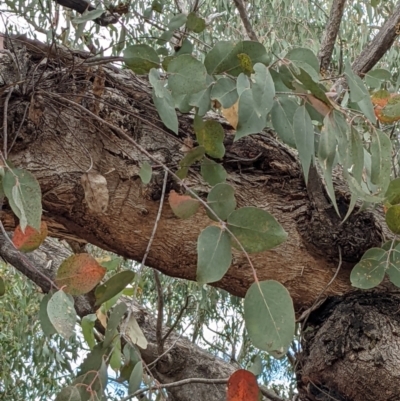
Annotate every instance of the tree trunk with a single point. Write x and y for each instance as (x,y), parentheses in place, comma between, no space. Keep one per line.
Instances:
(75,113)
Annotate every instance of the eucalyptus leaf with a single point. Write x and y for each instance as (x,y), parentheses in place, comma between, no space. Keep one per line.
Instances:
(141,58)
(224,91)
(212,172)
(61,313)
(113,286)
(282,115)
(221,200)
(368,273)
(136,378)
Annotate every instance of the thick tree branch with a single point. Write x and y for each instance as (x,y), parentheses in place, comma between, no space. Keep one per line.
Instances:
(379,45)
(245,19)
(330,34)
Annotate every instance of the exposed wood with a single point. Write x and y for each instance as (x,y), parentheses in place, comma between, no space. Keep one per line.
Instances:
(330,34)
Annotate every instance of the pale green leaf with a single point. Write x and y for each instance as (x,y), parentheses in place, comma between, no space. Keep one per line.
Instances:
(141,58)
(113,322)
(61,313)
(136,378)
(368,273)
(221,200)
(282,115)
(263,89)
(224,91)
(210,135)
(212,172)
(89,16)
(166,109)
(269,316)
(113,286)
(87,324)
(146,172)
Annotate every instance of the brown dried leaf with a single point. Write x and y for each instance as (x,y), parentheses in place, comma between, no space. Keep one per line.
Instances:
(231,114)
(96,191)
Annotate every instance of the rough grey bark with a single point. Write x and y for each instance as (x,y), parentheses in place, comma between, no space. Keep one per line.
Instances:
(330,34)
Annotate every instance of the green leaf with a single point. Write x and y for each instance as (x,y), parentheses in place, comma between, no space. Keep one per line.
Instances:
(185,48)
(157,6)
(282,115)
(201,100)
(242,83)
(212,172)
(256,229)
(177,21)
(88,16)
(249,121)
(392,194)
(135,333)
(141,58)
(113,322)
(375,78)
(45,323)
(24,196)
(393,219)
(214,255)
(146,172)
(112,264)
(2,287)
(394,266)
(210,135)
(69,393)
(186,75)
(195,23)
(87,324)
(113,286)
(115,359)
(257,366)
(368,273)
(194,155)
(269,316)
(165,106)
(136,377)
(225,57)
(381,157)
(304,137)
(61,313)
(224,91)
(263,89)
(305,56)
(221,200)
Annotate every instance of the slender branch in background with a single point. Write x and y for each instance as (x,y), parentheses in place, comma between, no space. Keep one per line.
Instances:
(5,125)
(178,318)
(330,34)
(381,43)
(160,313)
(245,19)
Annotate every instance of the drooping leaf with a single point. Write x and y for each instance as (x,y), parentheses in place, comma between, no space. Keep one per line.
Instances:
(226,57)
(112,325)
(135,333)
(201,100)
(249,121)
(24,196)
(145,172)
(255,229)
(113,286)
(31,239)
(116,356)
(305,56)
(214,255)
(368,273)
(393,219)
(304,137)
(212,172)
(263,89)
(61,313)
(381,153)
(221,199)
(69,393)
(210,135)
(282,115)
(87,324)
(224,91)
(165,106)
(183,206)
(242,386)
(79,274)
(270,324)
(136,377)
(45,323)
(195,23)
(186,75)
(141,58)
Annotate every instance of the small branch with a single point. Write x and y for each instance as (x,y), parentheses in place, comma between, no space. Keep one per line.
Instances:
(379,45)
(330,34)
(245,19)
(178,318)
(5,111)
(160,313)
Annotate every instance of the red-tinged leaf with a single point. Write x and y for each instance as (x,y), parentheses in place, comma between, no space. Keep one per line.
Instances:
(31,239)
(242,386)
(79,274)
(183,206)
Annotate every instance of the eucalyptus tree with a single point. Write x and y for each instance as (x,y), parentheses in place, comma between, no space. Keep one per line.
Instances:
(248,145)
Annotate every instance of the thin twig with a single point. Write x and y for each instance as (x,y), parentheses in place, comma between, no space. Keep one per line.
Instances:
(19,128)
(245,19)
(5,111)
(178,318)
(160,313)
